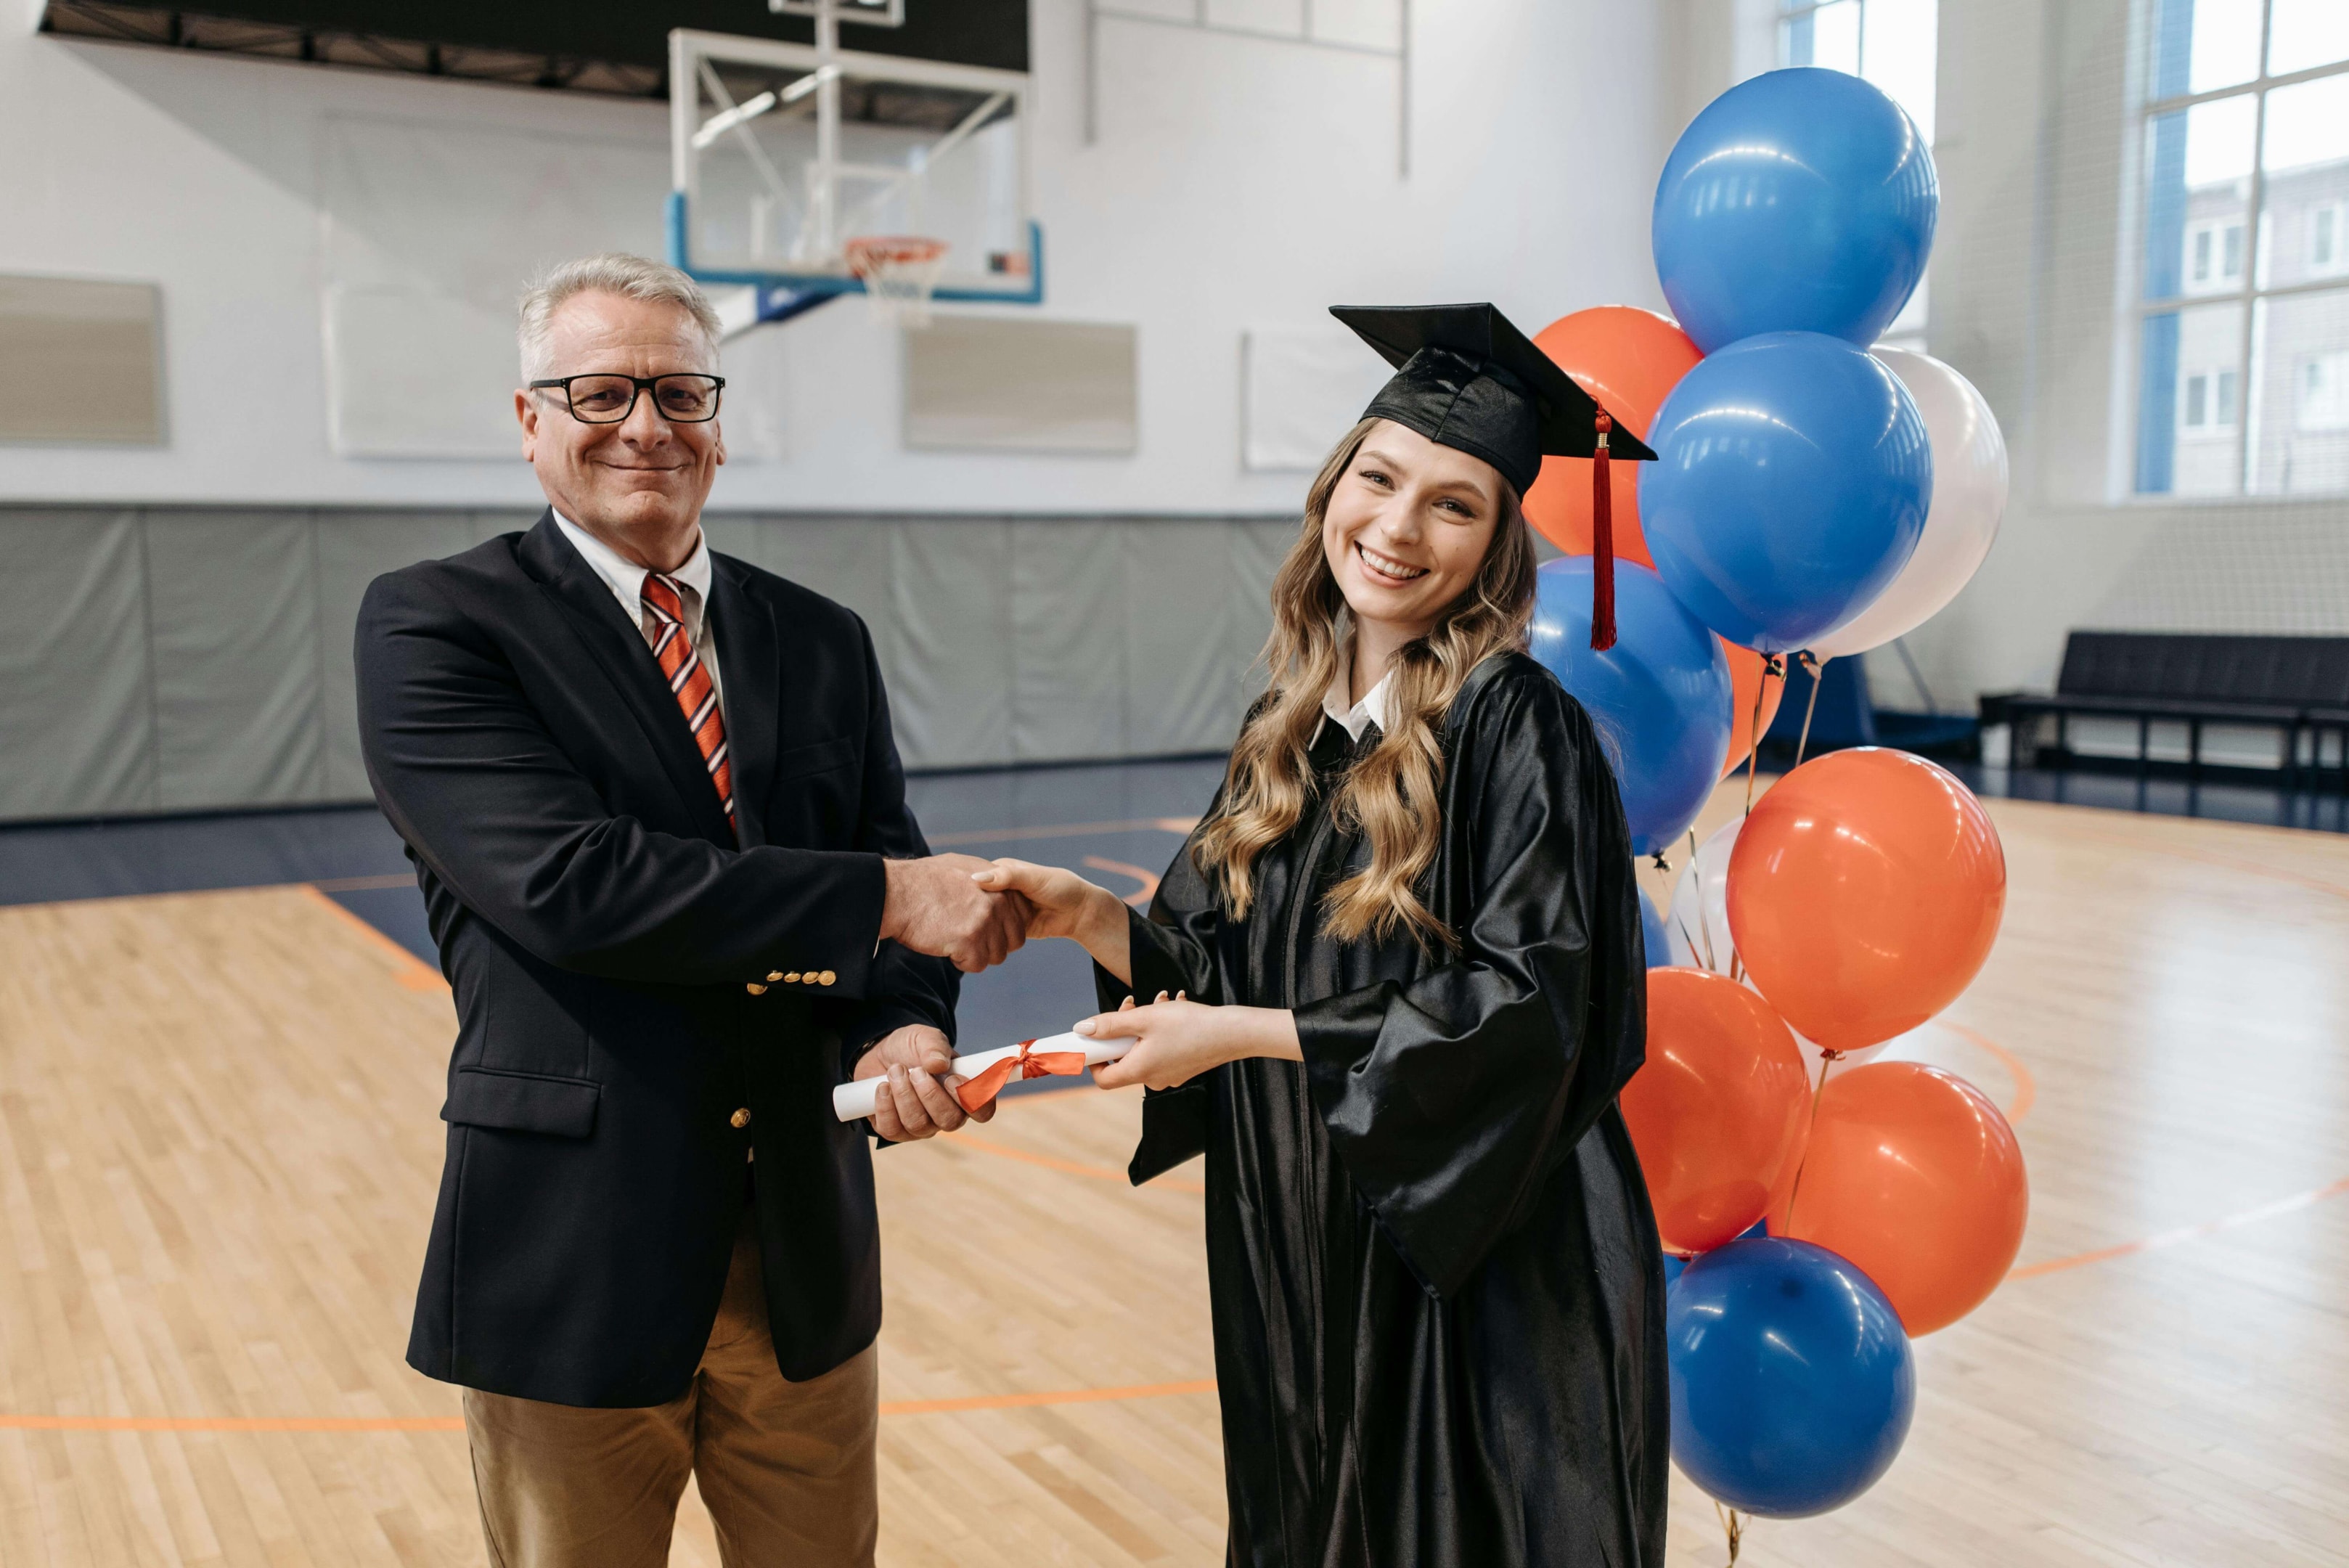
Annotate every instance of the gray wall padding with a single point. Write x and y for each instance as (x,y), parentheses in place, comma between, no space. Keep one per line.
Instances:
(175,658)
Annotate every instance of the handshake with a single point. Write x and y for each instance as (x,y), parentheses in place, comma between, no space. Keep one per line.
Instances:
(978,912)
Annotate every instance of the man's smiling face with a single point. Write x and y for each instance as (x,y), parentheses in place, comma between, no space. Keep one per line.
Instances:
(640,484)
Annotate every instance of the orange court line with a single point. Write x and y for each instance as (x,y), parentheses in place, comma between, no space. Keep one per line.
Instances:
(1140,899)
(1070,1166)
(407,969)
(2026,1087)
(1179,826)
(457,1423)
(233,1423)
(1053,1396)
(2167,1238)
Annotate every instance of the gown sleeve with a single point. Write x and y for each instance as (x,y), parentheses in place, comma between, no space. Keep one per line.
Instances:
(1172,950)
(1451,1099)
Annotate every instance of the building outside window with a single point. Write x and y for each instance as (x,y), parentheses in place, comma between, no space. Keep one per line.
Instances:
(2241,255)
(2323,392)
(2328,245)
(1892,44)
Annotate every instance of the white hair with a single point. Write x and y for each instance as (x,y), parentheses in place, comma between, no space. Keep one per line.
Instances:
(613,272)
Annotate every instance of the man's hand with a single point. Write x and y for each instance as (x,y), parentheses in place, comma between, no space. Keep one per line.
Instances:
(917,1104)
(1062,904)
(933,906)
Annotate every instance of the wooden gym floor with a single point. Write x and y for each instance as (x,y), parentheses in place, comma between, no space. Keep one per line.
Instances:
(218,1147)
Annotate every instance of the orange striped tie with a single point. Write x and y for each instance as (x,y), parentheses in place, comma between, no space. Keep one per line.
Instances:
(696,694)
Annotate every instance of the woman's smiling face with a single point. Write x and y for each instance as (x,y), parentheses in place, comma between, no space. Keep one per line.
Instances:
(1408,527)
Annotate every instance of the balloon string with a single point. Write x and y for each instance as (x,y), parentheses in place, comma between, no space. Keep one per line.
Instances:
(1705,926)
(1753,740)
(1770,666)
(1732,1526)
(1814,666)
(1818,1091)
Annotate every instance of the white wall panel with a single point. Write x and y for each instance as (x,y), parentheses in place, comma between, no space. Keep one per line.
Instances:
(1304,387)
(1232,183)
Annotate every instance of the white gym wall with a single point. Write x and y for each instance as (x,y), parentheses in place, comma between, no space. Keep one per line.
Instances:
(295,217)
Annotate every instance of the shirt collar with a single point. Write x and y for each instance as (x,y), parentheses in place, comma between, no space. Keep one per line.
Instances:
(625,577)
(1370,709)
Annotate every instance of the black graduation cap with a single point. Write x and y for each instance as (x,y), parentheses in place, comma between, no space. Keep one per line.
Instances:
(1465,378)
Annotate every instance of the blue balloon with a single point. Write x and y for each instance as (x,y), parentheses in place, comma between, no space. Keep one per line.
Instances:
(1792,1384)
(1659,698)
(1673,1264)
(1652,928)
(1790,485)
(1800,200)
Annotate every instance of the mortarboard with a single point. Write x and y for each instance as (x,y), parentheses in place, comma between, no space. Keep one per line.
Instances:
(1465,378)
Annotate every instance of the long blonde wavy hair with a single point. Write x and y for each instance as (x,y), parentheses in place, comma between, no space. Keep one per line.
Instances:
(1390,795)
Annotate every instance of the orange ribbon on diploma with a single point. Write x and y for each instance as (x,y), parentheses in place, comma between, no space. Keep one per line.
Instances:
(1026,1061)
(985,1073)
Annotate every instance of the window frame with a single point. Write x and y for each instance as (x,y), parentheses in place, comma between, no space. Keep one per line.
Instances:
(2247,294)
(1783,15)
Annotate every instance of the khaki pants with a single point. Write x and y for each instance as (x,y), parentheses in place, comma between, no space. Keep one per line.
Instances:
(786,1469)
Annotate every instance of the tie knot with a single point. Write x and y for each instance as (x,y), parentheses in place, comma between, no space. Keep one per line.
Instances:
(665,595)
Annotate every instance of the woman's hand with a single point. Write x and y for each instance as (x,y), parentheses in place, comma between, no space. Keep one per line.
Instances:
(1174,1042)
(1063,904)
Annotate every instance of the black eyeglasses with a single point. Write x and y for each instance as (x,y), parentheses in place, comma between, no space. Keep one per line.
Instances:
(682,398)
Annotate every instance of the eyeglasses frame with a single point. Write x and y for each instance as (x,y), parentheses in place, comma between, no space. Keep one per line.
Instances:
(639,386)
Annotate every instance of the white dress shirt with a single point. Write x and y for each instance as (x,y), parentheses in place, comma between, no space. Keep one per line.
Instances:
(627,581)
(1370,709)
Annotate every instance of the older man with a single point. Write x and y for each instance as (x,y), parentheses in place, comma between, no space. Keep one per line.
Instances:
(660,826)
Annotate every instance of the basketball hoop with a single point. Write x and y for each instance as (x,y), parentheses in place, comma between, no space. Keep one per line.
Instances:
(898,272)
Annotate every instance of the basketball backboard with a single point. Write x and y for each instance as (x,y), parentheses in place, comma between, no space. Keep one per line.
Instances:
(783,154)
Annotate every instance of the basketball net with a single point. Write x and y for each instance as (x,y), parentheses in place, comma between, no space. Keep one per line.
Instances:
(898,272)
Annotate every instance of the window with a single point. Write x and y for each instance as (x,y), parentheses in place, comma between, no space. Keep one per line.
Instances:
(2323,393)
(2328,239)
(2214,253)
(1890,43)
(2209,403)
(2242,252)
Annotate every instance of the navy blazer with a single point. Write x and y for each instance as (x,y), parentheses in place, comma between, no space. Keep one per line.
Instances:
(611,950)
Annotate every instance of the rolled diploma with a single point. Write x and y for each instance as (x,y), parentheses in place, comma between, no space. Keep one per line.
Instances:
(854,1100)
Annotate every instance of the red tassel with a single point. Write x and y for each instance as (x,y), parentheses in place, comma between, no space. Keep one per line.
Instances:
(1602,545)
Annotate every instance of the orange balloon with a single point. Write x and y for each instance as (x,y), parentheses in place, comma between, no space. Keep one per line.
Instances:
(1748,671)
(1629,359)
(1717,1111)
(1864,894)
(1915,1176)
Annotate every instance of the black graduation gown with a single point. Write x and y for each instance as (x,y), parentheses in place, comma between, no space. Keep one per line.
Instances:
(1436,1280)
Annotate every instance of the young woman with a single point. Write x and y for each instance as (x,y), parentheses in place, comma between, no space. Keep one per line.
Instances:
(1399,983)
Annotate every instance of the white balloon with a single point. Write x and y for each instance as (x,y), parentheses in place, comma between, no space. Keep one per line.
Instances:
(1698,921)
(1969,495)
